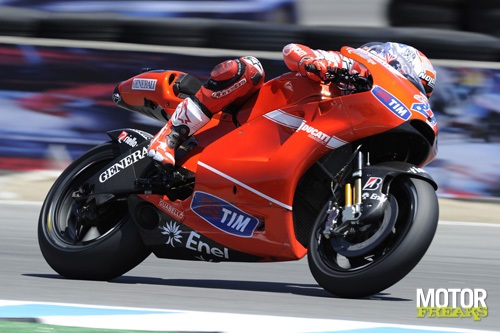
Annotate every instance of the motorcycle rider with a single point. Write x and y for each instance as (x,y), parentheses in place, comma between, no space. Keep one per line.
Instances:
(232,82)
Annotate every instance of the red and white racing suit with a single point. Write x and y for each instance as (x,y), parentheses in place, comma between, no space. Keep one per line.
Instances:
(234,81)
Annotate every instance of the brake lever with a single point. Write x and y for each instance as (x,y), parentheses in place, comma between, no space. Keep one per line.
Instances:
(342,75)
(361,83)
(330,75)
(311,69)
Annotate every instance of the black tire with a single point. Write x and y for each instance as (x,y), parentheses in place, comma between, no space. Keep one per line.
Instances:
(104,251)
(414,206)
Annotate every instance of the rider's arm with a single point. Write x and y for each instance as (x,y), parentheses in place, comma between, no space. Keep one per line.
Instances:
(298,56)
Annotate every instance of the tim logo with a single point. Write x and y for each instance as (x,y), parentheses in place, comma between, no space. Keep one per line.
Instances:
(391,102)
(222,215)
(372,184)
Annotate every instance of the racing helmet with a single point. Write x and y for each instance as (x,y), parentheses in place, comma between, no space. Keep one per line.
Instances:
(406,59)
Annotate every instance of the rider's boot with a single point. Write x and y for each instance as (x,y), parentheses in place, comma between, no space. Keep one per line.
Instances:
(185,121)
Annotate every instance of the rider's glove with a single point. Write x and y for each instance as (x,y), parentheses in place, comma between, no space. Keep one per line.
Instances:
(317,69)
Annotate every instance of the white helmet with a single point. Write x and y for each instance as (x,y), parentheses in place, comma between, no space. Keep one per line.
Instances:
(406,58)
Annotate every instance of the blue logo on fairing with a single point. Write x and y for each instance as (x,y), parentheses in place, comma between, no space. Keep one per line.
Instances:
(391,102)
(222,215)
(425,109)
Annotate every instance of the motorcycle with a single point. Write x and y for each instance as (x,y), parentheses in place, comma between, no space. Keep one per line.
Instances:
(331,170)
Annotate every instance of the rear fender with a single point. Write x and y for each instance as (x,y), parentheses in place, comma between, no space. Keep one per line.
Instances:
(120,174)
(376,181)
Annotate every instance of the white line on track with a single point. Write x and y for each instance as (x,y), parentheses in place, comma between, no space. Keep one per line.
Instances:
(20,203)
(470,224)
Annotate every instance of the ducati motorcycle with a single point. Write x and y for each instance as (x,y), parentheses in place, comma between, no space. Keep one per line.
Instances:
(331,170)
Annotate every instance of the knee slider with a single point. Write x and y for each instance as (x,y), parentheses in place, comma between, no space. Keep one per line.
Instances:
(254,70)
(230,81)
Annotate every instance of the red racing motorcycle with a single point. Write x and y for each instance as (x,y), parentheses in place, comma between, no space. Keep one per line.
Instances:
(332,170)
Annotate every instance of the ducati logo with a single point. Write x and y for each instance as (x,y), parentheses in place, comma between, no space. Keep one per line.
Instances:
(314,133)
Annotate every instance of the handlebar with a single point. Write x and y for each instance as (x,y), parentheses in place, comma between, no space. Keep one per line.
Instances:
(341,76)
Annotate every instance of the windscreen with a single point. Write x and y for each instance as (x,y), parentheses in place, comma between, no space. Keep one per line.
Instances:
(396,55)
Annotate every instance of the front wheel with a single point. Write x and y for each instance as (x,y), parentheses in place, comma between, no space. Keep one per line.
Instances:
(80,239)
(412,212)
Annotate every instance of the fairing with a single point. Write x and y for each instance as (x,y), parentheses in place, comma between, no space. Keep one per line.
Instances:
(248,164)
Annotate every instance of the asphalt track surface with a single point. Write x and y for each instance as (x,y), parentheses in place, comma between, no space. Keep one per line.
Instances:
(463,255)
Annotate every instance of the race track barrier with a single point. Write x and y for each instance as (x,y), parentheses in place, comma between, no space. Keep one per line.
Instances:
(240,35)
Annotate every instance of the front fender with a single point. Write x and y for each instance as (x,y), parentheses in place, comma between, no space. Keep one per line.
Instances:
(376,180)
(396,168)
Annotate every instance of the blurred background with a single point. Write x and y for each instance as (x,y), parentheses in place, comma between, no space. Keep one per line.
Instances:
(60,61)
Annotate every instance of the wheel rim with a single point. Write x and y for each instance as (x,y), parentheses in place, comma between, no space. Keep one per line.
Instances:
(64,225)
(397,217)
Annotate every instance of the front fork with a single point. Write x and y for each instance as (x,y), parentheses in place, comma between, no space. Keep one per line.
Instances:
(366,193)
(351,211)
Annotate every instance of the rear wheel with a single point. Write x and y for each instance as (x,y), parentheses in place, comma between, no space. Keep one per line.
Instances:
(83,239)
(390,247)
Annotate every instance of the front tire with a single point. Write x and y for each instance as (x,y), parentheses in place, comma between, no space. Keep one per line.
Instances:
(101,248)
(414,206)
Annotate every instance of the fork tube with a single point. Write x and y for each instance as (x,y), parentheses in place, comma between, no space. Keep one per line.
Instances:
(357,182)
(357,191)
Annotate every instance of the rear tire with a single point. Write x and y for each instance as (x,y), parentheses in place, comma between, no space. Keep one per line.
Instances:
(413,203)
(101,249)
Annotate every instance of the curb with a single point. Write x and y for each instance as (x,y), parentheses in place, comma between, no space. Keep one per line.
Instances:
(134,319)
